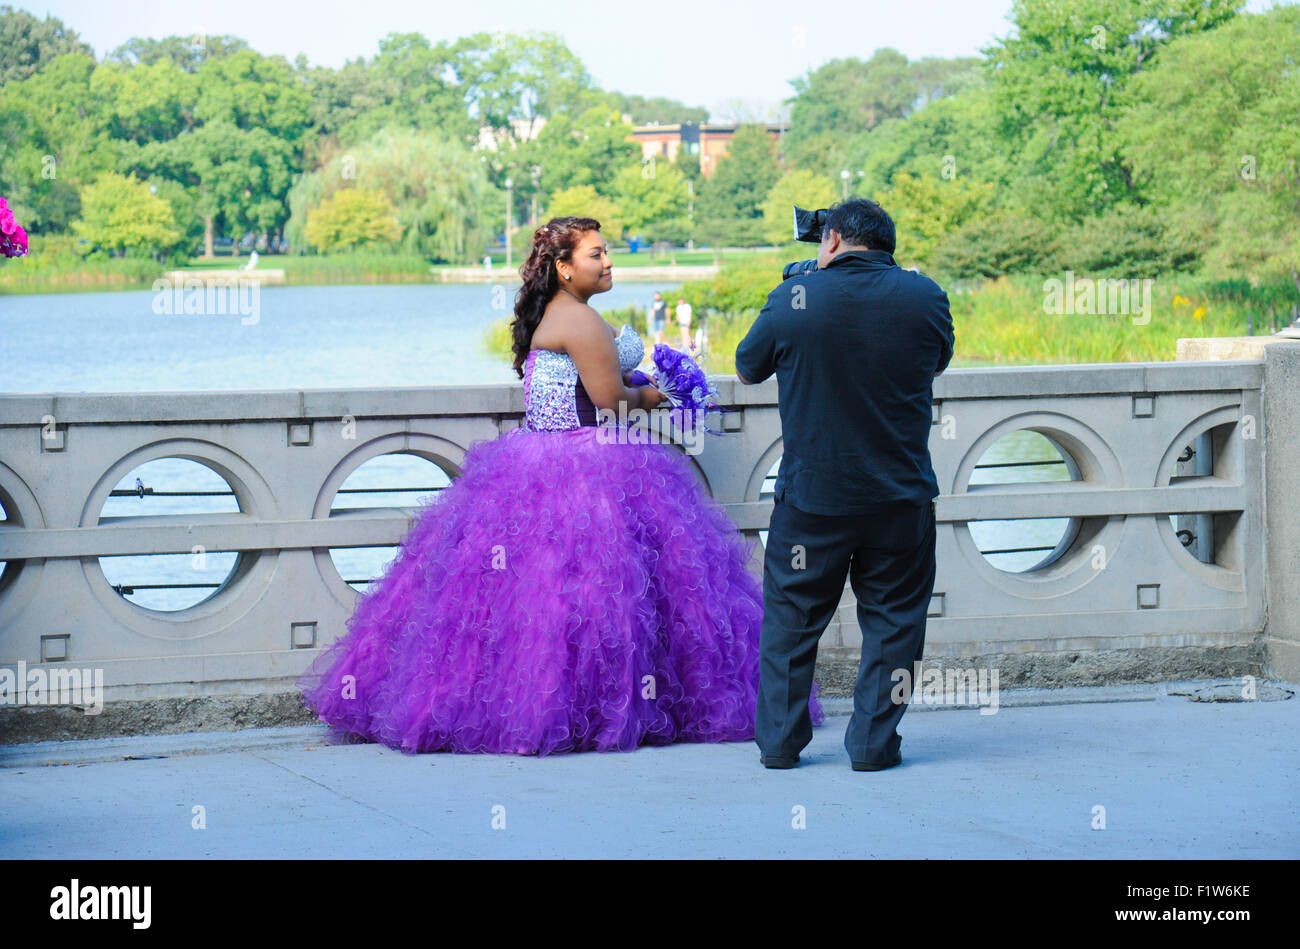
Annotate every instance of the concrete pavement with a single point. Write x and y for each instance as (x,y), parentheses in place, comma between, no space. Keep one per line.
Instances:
(1174,779)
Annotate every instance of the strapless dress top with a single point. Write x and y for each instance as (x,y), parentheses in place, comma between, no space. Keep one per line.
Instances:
(554,397)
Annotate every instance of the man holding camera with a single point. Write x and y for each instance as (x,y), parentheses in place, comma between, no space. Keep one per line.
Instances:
(855,342)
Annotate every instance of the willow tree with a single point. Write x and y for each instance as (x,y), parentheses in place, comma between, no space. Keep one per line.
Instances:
(440,189)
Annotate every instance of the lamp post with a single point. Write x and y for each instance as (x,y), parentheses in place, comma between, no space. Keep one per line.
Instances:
(509,201)
(690,213)
(844,177)
(535,172)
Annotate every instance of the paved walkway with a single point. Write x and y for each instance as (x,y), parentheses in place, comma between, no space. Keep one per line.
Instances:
(1177,779)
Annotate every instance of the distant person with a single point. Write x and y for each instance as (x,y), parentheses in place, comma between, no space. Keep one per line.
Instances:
(684,322)
(701,333)
(658,319)
(252,261)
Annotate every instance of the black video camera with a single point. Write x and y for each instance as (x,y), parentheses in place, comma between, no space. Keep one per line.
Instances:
(808,226)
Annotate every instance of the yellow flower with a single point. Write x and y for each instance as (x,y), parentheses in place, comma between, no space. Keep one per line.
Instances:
(1181,300)
(1199,314)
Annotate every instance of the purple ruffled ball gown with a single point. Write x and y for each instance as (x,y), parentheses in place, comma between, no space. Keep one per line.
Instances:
(567,592)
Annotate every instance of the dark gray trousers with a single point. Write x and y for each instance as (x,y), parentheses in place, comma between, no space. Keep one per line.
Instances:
(889,559)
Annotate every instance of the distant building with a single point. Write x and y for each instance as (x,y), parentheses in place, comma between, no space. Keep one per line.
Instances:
(491,139)
(708,141)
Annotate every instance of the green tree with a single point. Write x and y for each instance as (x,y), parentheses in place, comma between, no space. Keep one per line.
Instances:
(953,136)
(512,86)
(937,78)
(847,95)
(587,150)
(232,133)
(507,78)
(838,103)
(585,201)
(353,218)
(928,208)
(1213,137)
(652,200)
(118,213)
(804,188)
(240,178)
(445,204)
(188,53)
(1062,82)
(416,80)
(341,102)
(730,206)
(146,103)
(1006,241)
(251,91)
(54,141)
(658,110)
(27,44)
(184,205)
(1128,240)
(688,163)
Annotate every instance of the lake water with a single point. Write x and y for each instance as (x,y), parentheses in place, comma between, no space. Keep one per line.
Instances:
(304,337)
(324,337)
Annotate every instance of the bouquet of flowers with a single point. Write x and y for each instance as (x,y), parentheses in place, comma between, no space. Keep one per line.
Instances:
(684,383)
(13,239)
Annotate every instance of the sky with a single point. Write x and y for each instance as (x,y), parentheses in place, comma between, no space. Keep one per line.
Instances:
(721,54)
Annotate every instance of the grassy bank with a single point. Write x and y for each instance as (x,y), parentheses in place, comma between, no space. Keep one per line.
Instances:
(54,266)
(1012,321)
(1004,322)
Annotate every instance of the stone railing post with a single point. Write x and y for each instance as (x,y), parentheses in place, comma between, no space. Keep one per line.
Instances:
(1280,398)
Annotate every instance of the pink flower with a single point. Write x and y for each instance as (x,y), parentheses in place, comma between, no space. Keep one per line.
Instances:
(13,239)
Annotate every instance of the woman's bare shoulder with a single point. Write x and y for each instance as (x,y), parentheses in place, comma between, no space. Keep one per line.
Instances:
(571,317)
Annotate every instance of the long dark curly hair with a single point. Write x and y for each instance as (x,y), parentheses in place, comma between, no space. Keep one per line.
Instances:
(554,240)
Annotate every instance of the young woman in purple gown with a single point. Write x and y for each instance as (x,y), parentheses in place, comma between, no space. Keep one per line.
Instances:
(567,591)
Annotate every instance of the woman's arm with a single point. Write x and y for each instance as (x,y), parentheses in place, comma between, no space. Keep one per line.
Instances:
(585,336)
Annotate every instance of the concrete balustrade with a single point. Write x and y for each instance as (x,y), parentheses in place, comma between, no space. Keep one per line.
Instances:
(1122,598)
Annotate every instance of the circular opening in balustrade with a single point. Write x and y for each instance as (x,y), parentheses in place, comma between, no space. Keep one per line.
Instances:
(766,492)
(1201,457)
(158,491)
(5,573)
(398,481)
(1020,545)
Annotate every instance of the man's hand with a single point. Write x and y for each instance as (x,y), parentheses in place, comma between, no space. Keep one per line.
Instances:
(743,380)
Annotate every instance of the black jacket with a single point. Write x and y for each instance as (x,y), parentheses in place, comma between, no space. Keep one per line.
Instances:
(855,348)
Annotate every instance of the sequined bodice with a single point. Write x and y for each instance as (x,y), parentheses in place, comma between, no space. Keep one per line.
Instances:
(554,398)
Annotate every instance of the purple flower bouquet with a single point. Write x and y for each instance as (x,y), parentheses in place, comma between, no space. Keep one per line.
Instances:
(684,383)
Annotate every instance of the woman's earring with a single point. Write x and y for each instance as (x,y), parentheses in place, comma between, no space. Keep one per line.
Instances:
(568,276)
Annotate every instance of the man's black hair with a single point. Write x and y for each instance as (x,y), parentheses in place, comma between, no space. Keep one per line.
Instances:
(861,221)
